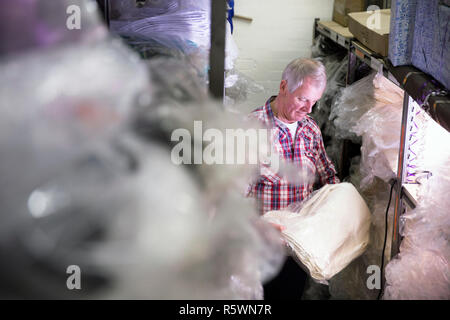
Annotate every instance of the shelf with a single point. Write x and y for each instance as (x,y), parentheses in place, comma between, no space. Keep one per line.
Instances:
(423,88)
(418,86)
(334,31)
(373,60)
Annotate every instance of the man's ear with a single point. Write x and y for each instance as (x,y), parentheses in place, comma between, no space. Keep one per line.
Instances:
(283,86)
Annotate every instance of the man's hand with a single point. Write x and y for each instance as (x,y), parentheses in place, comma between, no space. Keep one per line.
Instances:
(279,227)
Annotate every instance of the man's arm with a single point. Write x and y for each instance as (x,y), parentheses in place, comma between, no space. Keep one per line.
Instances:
(325,167)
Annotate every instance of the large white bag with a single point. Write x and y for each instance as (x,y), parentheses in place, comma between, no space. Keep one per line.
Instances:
(331,229)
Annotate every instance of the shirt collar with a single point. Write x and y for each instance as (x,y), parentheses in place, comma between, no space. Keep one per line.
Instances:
(271,117)
(269,112)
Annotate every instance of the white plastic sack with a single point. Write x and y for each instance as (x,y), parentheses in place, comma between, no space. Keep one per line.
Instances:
(330,230)
(367,93)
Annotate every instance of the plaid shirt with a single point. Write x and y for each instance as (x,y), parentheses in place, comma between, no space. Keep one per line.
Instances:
(272,190)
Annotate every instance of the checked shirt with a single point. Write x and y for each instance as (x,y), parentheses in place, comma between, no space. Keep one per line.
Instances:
(276,190)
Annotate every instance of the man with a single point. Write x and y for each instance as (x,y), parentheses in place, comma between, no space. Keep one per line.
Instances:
(299,138)
(300,144)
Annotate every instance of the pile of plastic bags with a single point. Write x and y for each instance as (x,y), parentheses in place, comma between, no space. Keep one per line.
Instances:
(175,28)
(88,181)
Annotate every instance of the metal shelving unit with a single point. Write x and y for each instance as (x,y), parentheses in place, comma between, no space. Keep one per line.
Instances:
(419,87)
(331,30)
(405,193)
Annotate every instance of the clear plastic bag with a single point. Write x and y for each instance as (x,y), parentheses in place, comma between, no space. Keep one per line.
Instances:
(335,61)
(380,129)
(179,28)
(363,95)
(101,192)
(421,269)
(238,87)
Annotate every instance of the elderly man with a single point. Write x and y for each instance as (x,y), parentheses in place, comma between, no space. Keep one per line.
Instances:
(300,144)
(299,138)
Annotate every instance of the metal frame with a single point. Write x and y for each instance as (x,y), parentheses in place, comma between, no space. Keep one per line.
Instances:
(402,197)
(105,8)
(405,134)
(217,52)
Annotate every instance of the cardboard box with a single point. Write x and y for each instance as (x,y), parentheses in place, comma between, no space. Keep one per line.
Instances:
(343,7)
(371,28)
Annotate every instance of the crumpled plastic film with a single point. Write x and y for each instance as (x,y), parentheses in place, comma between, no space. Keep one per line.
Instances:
(220,181)
(177,81)
(326,248)
(61,107)
(378,124)
(109,214)
(81,187)
(335,60)
(421,269)
(238,87)
(231,49)
(175,28)
(181,20)
(40,24)
(246,252)
(171,28)
(360,97)
(205,257)
(380,130)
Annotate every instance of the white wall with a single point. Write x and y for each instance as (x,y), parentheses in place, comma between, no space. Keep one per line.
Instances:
(281,31)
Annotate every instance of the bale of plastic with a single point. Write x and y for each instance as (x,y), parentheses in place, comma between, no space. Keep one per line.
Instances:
(421,269)
(380,131)
(238,87)
(330,230)
(359,98)
(88,184)
(171,28)
(377,123)
(130,239)
(175,22)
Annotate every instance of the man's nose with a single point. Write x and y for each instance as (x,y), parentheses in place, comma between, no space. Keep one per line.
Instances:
(308,106)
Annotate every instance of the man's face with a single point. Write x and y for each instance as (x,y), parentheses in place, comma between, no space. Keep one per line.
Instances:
(300,102)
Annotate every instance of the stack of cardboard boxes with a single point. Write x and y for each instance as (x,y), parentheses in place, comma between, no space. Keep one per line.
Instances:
(371,28)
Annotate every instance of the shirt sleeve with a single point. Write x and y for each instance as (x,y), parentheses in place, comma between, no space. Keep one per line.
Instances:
(324,166)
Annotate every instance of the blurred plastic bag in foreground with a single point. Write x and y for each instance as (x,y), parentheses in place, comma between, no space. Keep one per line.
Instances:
(41,24)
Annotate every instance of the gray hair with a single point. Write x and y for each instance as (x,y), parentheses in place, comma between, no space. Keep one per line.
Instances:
(301,68)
